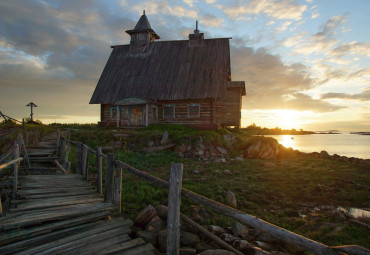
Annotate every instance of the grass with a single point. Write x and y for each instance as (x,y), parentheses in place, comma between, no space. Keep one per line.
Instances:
(277,193)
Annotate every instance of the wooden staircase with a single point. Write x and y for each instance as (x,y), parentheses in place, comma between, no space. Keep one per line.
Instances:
(63,214)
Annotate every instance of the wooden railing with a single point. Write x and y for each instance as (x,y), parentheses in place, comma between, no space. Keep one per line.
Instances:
(14,162)
(113,189)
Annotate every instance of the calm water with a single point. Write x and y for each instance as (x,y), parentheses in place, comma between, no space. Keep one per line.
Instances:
(345,144)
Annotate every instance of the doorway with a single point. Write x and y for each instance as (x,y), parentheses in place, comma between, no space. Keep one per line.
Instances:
(136,116)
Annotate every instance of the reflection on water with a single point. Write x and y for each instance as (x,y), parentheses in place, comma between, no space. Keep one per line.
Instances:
(355,212)
(346,144)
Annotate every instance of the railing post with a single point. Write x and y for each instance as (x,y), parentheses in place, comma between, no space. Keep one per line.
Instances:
(117,192)
(99,179)
(174,202)
(85,161)
(62,148)
(21,143)
(15,178)
(58,142)
(78,156)
(109,173)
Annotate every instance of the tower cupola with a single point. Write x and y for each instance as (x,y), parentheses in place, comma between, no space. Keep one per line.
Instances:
(197,38)
(142,35)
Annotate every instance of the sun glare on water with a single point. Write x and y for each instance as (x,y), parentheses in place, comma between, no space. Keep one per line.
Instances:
(287,141)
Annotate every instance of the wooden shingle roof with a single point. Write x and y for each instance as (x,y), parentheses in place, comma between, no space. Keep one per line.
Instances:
(170,70)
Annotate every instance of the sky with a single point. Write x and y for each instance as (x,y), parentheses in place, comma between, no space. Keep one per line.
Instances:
(305,63)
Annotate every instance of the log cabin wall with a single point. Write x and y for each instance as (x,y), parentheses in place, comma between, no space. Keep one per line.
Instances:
(204,119)
(228,108)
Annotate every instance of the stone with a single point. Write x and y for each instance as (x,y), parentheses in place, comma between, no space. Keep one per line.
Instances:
(216,230)
(230,199)
(222,150)
(240,158)
(150,144)
(265,246)
(264,237)
(188,239)
(181,155)
(201,247)
(162,211)
(145,216)
(148,237)
(196,171)
(324,154)
(239,229)
(217,252)
(156,225)
(162,240)
(228,238)
(241,245)
(227,172)
(187,251)
(164,137)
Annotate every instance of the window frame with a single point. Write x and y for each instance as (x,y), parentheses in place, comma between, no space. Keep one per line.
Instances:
(193,116)
(174,111)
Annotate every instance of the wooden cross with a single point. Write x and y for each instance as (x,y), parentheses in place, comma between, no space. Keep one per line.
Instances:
(31,105)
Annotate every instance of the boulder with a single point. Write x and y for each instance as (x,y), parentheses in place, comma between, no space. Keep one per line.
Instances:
(188,239)
(239,229)
(324,154)
(230,199)
(223,151)
(156,225)
(145,216)
(227,172)
(264,237)
(162,240)
(228,238)
(216,230)
(241,245)
(162,211)
(147,236)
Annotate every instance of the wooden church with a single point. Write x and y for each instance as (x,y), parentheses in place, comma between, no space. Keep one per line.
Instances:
(181,82)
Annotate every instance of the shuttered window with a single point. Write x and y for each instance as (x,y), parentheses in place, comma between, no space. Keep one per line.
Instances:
(193,110)
(168,111)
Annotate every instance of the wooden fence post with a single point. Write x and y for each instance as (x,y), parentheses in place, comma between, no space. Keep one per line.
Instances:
(99,179)
(62,148)
(117,192)
(174,202)
(85,161)
(108,194)
(79,153)
(58,142)
(66,154)
(15,177)
(21,144)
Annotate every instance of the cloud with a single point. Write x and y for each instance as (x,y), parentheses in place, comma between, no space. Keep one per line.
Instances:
(352,48)
(211,20)
(272,84)
(164,7)
(211,1)
(363,96)
(283,9)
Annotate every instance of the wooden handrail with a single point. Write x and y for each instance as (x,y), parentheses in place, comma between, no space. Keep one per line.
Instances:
(14,161)
(279,233)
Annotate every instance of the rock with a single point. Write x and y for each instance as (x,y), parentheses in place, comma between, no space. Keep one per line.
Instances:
(230,199)
(145,216)
(216,230)
(181,155)
(222,150)
(162,240)
(264,237)
(241,245)
(217,252)
(150,144)
(162,211)
(324,154)
(219,160)
(227,172)
(228,238)
(187,251)
(240,158)
(164,137)
(188,239)
(239,229)
(147,236)
(196,171)
(156,225)
(200,152)
(201,247)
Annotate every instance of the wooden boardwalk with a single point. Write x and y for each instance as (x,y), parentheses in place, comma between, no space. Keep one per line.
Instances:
(63,214)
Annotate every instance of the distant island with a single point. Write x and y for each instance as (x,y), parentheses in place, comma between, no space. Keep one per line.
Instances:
(360,133)
(256,130)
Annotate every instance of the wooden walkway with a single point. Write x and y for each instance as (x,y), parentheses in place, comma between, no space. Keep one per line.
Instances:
(63,214)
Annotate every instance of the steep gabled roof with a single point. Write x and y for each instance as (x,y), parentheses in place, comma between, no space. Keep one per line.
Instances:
(170,70)
(143,25)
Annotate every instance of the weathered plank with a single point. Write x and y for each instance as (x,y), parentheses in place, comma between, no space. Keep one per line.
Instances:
(101,249)
(99,169)
(16,235)
(174,202)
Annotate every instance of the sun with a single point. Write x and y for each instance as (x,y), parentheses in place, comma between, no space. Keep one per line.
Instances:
(288,119)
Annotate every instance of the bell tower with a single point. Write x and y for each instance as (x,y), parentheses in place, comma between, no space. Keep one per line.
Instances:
(197,38)
(142,35)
